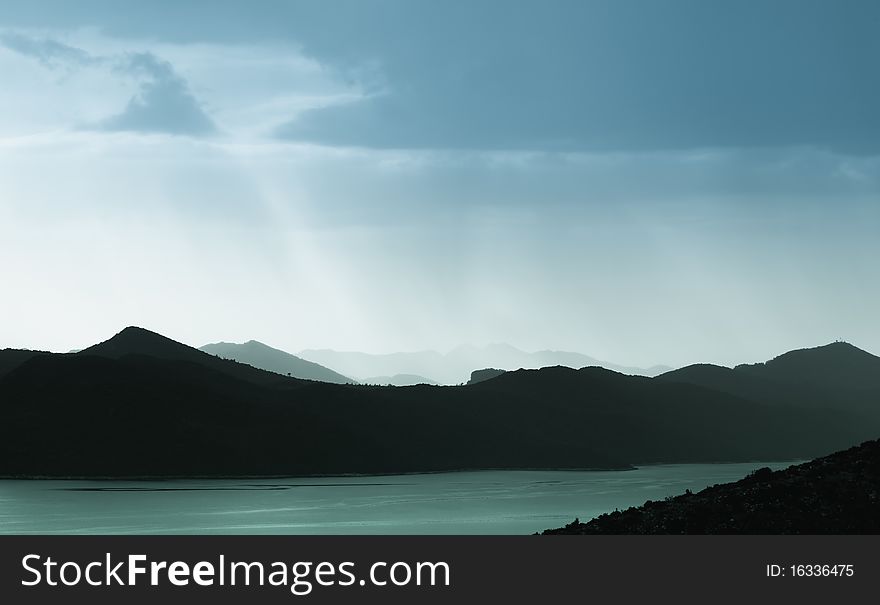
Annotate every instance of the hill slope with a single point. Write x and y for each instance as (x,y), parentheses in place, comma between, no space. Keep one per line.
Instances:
(12,358)
(262,356)
(653,421)
(484,374)
(144,405)
(837,375)
(138,341)
(836,365)
(837,494)
(143,416)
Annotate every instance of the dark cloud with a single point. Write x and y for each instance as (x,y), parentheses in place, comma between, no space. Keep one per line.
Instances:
(163,104)
(551,74)
(615,76)
(50,53)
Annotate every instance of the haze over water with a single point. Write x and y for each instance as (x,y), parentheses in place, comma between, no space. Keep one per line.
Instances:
(482,502)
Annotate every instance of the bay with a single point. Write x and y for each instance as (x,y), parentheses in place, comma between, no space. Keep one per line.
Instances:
(477,502)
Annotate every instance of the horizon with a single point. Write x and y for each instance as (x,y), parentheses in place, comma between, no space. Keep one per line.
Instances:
(297,353)
(632,182)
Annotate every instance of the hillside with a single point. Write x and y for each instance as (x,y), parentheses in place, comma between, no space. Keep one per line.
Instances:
(484,374)
(836,494)
(836,365)
(12,358)
(270,359)
(837,375)
(143,416)
(141,404)
(653,421)
(138,341)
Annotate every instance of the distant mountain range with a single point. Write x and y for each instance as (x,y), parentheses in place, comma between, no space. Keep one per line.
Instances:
(456,366)
(398,380)
(274,360)
(140,404)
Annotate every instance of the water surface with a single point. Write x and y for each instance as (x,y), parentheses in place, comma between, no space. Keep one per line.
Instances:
(480,502)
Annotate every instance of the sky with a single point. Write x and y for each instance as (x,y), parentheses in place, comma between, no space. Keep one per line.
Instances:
(643,182)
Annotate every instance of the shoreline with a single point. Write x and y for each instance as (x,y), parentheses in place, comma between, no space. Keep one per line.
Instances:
(313,476)
(157,478)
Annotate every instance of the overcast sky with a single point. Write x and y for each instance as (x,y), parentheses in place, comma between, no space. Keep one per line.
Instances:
(644,182)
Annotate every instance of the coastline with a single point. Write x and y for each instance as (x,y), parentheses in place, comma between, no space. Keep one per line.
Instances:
(313,476)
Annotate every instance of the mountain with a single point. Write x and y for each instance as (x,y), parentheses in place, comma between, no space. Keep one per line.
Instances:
(12,358)
(141,404)
(658,422)
(274,360)
(398,380)
(456,366)
(836,365)
(836,494)
(837,375)
(142,416)
(486,374)
(138,341)
(361,366)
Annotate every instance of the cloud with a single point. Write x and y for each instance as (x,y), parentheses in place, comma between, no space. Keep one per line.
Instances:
(609,77)
(163,104)
(50,53)
(561,75)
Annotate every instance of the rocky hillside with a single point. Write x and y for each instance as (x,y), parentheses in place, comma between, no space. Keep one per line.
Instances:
(837,494)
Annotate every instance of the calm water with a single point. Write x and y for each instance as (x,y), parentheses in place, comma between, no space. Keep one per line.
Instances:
(484,502)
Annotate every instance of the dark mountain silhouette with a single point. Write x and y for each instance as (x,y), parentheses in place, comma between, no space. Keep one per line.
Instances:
(143,405)
(267,358)
(143,416)
(837,365)
(12,358)
(481,375)
(654,421)
(138,341)
(837,375)
(837,494)
(398,380)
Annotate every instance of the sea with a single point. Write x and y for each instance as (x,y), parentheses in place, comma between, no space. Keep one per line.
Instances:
(455,503)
